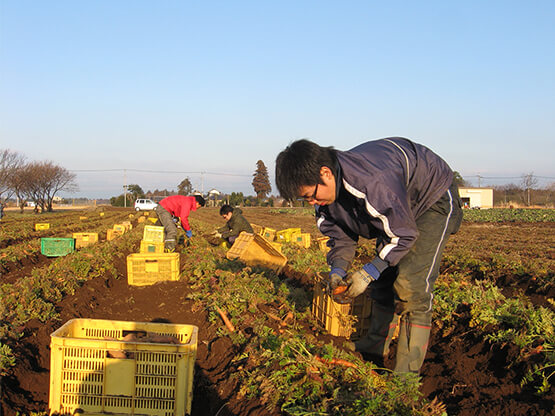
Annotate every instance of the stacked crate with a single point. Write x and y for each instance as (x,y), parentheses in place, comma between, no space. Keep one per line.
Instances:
(152,265)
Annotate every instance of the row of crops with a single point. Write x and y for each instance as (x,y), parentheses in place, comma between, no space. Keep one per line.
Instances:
(280,356)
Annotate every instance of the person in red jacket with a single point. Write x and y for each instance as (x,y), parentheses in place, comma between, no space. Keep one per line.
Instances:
(177,206)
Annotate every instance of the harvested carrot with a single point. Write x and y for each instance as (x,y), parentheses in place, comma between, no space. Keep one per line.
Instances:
(226,320)
(336,361)
(339,290)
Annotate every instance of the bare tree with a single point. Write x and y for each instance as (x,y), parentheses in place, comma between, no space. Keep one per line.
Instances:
(9,163)
(529,182)
(42,180)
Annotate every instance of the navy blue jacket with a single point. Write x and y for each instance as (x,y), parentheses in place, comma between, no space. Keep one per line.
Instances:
(382,187)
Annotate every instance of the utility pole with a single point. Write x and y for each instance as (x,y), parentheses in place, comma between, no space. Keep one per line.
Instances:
(479,181)
(125,188)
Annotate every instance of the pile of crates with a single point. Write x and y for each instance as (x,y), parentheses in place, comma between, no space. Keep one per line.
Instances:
(288,235)
(151,264)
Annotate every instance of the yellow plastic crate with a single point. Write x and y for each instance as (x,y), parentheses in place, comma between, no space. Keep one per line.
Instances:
(111,234)
(151,246)
(83,218)
(302,239)
(255,250)
(141,219)
(269,234)
(153,220)
(284,236)
(120,227)
(106,367)
(258,229)
(153,233)
(42,226)
(101,214)
(276,245)
(127,224)
(148,268)
(322,244)
(337,318)
(84,239)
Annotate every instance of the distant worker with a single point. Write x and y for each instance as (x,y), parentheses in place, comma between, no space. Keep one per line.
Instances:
(177,206)
(1,210)
(235,224)
(400,193)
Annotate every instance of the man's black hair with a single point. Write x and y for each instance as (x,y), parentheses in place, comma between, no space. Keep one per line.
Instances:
(226,209)
(200,200)
(299,165)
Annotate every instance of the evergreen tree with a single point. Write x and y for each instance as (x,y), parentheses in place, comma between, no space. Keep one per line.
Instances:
(261,181)
(185,187)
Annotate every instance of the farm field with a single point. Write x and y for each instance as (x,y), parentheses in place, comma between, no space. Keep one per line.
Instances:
(491,351)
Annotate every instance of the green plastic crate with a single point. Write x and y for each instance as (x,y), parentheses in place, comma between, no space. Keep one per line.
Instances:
(56,247)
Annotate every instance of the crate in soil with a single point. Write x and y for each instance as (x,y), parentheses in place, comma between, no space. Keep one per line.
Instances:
(323,244)
(56,247)
(153,233)
(255,250)
(42,226)
(120,227)
(284,236)
(148,268)
(301,239)
(112,234)
(85,239)
(258,229)
(151,246)
(350,320)
(101,367)
(269,233)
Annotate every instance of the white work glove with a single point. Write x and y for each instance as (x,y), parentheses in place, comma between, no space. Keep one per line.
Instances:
(359,280)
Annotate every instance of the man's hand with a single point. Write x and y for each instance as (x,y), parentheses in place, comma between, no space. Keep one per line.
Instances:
(335,279)
(359,280)
(189,233)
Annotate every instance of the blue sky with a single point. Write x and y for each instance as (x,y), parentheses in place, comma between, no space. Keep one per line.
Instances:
(214,86)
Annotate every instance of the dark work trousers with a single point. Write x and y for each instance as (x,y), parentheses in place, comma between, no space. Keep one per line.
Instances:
(170,230)
(406,290)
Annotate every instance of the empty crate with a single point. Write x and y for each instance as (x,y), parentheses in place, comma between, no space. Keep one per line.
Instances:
(146,269)
(42,226)
(56,247)
(104,367)
(253,249)
(284,236)
(153,233)
(151,246)
(84,239)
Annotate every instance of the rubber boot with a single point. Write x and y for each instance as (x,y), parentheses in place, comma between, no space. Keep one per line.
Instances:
(375,344)
(412,346)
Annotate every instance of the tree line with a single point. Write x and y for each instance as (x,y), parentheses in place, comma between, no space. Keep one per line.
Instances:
(32,181)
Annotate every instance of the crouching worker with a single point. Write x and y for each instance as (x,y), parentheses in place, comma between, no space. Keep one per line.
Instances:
(235,224)
(177,206)
(400,193)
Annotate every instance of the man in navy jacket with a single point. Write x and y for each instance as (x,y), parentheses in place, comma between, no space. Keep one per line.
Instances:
(400,193)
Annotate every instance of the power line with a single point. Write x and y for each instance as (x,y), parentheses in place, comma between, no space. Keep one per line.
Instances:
(161,171)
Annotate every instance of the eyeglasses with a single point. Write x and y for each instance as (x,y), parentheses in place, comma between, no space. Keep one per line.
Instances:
(311,197)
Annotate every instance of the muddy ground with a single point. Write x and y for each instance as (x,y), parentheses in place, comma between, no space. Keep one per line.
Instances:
(466,373)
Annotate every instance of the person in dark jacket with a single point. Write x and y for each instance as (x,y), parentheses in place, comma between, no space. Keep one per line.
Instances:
(400,193)
(235,224)
(177,206)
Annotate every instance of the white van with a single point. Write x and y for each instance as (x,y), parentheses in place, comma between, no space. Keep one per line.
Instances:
(145,204)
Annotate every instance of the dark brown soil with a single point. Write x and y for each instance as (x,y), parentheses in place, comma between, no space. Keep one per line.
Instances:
(466,373)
